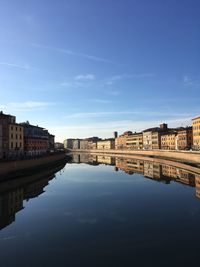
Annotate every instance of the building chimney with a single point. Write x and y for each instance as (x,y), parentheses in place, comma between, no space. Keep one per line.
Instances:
(115,134)
(163,126)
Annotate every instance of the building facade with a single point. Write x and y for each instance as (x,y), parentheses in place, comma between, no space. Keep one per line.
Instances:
(68,143)
(152,137)
(169,141)
(84,144)
(16,139)
(196,133)
(36,140)
(76,144)
(120,141)
(12,136)
(134,141)
(89,143)
(184,138)
(106,144)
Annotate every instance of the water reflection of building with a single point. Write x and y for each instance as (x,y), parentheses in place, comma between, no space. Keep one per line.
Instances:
(88,158)
(35,189)
(11,198)
(152,170)
(169,171)
(106,160)
(178,175)
(130,166)
(10,204)
(185,177)
(197,185)
(93,159)
(76,158)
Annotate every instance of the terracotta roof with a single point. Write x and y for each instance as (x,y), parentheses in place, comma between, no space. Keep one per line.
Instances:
(196,118)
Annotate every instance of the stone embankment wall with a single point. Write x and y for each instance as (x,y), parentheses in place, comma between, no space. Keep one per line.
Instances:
(20,165)
(183,156)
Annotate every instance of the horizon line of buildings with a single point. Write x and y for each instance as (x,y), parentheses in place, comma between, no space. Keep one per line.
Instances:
(22,139)
(162,137)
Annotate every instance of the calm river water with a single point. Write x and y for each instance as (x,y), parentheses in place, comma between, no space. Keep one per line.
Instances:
(101,211)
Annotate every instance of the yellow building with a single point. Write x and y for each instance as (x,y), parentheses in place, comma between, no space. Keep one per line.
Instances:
(168,141)
(196,133)
(134,141)
(106,144)
(16,139)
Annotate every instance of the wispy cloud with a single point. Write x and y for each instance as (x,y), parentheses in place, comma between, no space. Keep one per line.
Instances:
(108,114)
(73,53)
(111,80)
(188,81)
(85,77)
(101,101)
(13,65)
(81,80)
(25,106)
(96,114)
(113,92)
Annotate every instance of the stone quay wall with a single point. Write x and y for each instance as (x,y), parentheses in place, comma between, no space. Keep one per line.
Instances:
(26,164)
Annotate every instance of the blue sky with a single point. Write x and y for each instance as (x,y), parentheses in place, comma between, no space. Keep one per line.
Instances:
(83,68)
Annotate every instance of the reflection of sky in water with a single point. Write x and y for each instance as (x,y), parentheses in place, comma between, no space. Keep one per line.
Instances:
(92,215)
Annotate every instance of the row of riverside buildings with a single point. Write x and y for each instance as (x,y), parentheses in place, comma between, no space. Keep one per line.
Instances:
(162,137)
(22,139)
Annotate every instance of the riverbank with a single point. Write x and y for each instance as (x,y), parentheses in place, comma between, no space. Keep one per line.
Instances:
(187,157)
(17,168)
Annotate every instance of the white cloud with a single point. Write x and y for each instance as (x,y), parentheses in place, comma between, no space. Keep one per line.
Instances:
(12,65)
(101,101)
(85,77)
(187,81)
(25,106)
(111,80)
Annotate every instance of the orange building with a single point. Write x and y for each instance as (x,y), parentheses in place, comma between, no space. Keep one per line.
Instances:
(120,142)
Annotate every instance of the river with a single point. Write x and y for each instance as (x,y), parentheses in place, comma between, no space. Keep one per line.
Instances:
(101,211)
